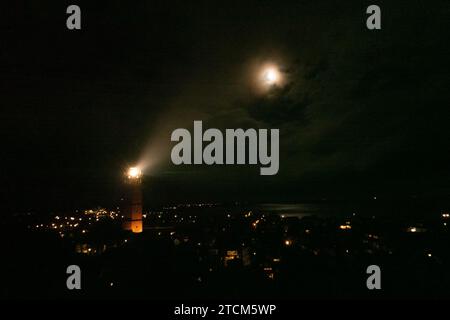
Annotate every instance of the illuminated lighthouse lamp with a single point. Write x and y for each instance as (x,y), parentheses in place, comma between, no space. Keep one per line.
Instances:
(134,173)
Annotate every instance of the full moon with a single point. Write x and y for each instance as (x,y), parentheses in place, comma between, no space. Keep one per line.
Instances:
(266,77)
(271,76)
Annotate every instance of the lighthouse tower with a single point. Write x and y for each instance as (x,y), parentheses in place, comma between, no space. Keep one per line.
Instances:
(133,200)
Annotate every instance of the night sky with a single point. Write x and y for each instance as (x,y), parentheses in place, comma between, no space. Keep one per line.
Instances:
(362,112)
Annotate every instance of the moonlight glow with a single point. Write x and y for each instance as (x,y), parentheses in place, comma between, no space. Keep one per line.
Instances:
(271,76)
(268,76)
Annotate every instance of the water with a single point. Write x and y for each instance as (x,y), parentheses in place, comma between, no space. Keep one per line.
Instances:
(301,210)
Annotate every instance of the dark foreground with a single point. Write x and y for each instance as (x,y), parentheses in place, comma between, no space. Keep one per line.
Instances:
(228,252)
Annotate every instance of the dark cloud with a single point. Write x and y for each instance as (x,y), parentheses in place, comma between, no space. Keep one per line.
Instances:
(358,107)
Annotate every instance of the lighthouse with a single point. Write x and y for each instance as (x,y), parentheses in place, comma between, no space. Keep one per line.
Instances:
(133,200)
